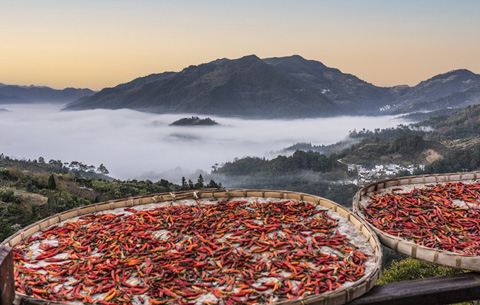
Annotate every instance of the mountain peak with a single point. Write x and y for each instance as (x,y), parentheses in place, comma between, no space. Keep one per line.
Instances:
(295,62)
(294,57)
(251,56)
(219,61)
(458,75)
(249,59)
(461,72)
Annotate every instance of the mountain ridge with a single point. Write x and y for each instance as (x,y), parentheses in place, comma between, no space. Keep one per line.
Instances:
(245,86)
(277,87)
(17,94)
(431,91)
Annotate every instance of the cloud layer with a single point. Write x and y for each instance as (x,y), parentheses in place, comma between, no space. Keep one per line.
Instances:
(133,144)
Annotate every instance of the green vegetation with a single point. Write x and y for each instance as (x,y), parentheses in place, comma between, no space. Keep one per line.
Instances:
(300,160)
(76,168)
(194,121)
(398,267)
(412,269)
(327,150)
(387,134)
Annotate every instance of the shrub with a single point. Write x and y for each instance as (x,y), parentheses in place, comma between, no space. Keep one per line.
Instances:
(412,269)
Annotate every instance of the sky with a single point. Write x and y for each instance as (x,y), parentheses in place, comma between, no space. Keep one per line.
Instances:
(101,43)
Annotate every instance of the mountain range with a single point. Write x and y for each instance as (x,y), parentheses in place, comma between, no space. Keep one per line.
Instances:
(244,87)
(13,94)
(455,89)
(280,87)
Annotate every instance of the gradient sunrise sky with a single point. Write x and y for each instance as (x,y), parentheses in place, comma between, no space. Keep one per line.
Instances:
(101,43)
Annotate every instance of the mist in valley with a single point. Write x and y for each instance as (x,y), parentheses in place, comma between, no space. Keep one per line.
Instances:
(138,145)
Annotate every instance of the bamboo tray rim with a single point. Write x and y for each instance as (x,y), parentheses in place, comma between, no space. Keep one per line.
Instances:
(436,256)
(336,297)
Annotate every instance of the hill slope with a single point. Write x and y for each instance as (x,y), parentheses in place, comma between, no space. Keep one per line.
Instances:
(346,90)
(462,124)
(458,88)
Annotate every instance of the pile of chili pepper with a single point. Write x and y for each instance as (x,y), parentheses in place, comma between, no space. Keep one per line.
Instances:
(430,216)
(236,252)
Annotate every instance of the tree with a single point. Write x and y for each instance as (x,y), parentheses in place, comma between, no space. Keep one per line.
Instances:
(83,167)
(102,169)
(184,184)
(199,183)
(41,160)
(163,182)
(213,184)
(51,182)
(56,163)
(190,184)
(74,164)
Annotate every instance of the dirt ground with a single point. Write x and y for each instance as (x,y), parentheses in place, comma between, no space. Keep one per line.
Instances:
(432,156)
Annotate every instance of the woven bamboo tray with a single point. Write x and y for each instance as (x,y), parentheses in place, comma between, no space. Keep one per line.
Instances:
(439,257)
(336,297)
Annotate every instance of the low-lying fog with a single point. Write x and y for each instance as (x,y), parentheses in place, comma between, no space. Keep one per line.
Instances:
(137,145)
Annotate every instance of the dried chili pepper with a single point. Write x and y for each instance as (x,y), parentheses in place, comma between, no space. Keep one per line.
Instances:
(438,216)
(230,252)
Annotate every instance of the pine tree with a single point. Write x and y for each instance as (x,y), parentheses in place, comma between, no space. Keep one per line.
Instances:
(51,182)
(199,183)
(212,184)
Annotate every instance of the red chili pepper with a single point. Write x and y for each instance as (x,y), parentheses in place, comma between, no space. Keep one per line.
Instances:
(430,218)
(205,248)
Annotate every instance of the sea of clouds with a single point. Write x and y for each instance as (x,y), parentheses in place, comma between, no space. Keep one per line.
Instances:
(138,145)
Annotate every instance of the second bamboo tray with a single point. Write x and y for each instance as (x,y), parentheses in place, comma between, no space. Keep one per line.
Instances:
(439,257)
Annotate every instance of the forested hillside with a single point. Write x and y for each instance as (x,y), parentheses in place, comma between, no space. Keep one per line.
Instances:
(462,124)
(406,149)
(308,172)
